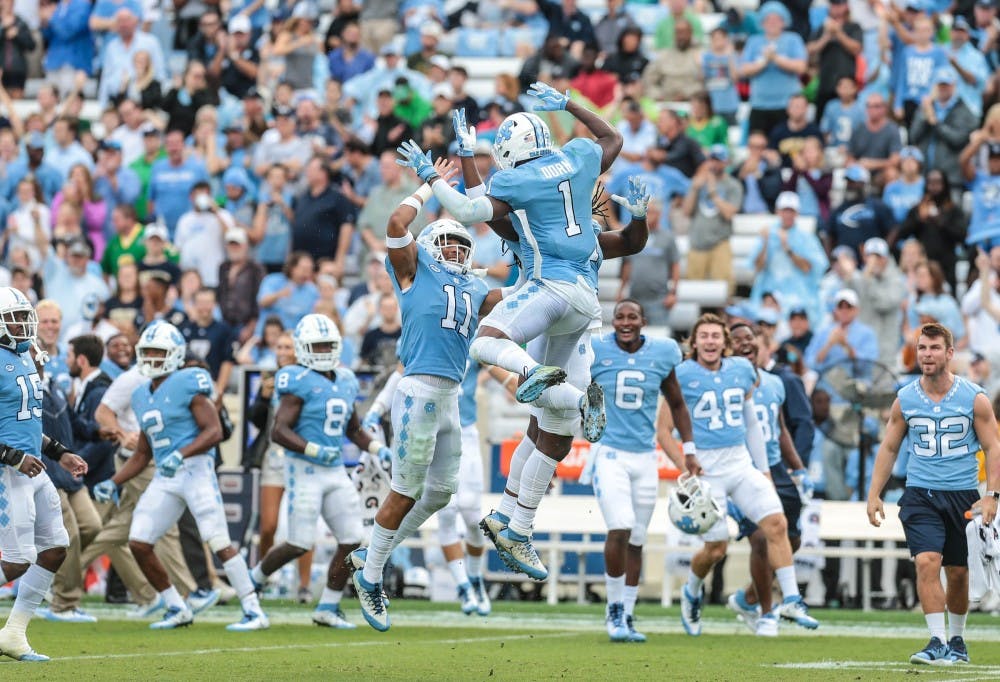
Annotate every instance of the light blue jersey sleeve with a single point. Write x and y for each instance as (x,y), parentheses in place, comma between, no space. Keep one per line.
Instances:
(768,399)
(165,415)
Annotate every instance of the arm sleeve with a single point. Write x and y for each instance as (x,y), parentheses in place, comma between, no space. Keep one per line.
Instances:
(464,209)
(755,437)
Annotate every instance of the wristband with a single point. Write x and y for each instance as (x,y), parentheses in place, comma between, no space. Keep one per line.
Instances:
(11,456)
(374,446)
(312,449)
(54,449)
(424,193)
(689,449)
(413,203)
(399,242)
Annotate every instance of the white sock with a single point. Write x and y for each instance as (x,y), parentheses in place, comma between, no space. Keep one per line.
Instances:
(615,587)
(502,353)
(172,598)
(331,597)
(257,573)
(517,461)
(378,553)
(535,478)
(474,565)
(786,581)
(564,396)
(457,569)
(35,582)
(631,597)
(694,584)
(956,624)
(935,623)
(239,575)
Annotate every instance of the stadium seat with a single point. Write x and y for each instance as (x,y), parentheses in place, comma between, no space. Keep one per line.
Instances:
(750,224)
(646,16)
(474,42)
(514,40)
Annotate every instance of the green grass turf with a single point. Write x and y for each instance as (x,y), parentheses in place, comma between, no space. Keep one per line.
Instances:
(520,641)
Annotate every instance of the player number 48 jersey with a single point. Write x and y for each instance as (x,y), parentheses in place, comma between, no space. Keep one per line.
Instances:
(327,404)
(164,415)
(715,400)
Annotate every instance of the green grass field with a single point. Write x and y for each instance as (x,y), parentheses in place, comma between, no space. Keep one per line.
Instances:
(520,641)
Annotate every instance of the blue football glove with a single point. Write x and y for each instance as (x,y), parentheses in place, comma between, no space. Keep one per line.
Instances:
(548,97)
(372,420)
(327,456)
(636,197)
(800,477)
(106,491)
(171,463)
(465,134)
(384,454)
(417,159)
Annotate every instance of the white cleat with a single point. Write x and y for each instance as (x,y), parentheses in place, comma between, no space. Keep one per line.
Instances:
(795,610)
(201,599)
(67,616)
(767,625)
(467,597)
(691,611)
(482,596)
(252,620)
(373,607)
(748,614)
(331,617)
(592,412)
(492,524)
(17,647)
(147,610)
(615,620)
(517,552)
(174,618)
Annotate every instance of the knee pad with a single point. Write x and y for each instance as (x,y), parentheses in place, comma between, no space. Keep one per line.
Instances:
(473,535)
(435,500)
(638,536)
(447,529)
(559,422)
(219,543)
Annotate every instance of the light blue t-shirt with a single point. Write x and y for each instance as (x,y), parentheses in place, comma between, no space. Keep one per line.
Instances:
(942,436)
(985,221)
(715,400)
(165,414)
(327,405)
(917,70)
(720,83)
(290,309)
(631,383)
(768,398)
(772,87)
(839,121)
(900,196)
(170,187)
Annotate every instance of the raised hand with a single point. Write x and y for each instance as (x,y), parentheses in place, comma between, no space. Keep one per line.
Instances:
(636,198)
(447,171)
(549,98)
(417,159)
(465,134)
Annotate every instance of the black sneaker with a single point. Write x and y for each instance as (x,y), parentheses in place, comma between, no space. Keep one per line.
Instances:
(957,651)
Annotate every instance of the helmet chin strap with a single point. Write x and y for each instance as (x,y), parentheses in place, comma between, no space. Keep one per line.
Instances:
(41,355)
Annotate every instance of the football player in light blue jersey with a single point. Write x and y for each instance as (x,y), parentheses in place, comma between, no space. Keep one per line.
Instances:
(793,489)
(633,370)
(315,414)
(732,459)
(179,431)
(33,539)
(441,302)
(945,420)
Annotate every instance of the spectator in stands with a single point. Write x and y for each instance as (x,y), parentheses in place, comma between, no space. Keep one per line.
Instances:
(236,62)
(938,223)
(842,115)
(905,192)
(200,234)
(383,200)
(969,62)
(126,241)
(652,275)
(430,41)
(323,218)
(800,332)
(638,134)
(810,180)
(155,285)
(299,47)
(552,58)
(595,84)
(68,281)
(378,346)
(675,72)
(844,337)
(203,45)
(881,286)
(28,228)
(260,350)
(35,164)
(458,77)
(788,260)
(836,44)
(363,314)
(915,70)
(719,69)
(860,216)
(152,151)
(627,62)
(286,148)
(572,25)
(673,146)
(942,125)
(171,180)
(16,42)
(790,135)
(350,58)
(983,329)
(272,222)
(239,280)
(773,62)
(114,184)
(361,169)
(79,193)
(875,145)
(210,340)
(609,28)
(70,46)
(66,151)
(409,105)
(161,256)
(930,298)
(182,103)
(984,225)
(703,126)
(239,199)
(120,51)
(389,129)
(760,175)
(711,202)
(678,10)
(122,308)
(289,294)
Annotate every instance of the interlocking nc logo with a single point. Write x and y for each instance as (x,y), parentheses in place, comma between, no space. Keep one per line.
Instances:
(505,132)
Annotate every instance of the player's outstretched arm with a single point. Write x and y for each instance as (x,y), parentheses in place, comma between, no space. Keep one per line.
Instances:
(888,451)
(608,138)
(465,135)
(671,390)
(985,424)
(632,238)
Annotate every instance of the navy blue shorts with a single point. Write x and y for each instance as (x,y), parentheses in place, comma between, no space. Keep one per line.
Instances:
(934,521)
(791,503)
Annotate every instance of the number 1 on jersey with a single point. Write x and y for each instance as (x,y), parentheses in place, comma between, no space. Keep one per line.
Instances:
(449,321)
(572,226)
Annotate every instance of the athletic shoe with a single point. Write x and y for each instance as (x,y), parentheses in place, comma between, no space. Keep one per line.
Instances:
(615,620)
(539,379)
(957,651)
(633,635)
(356,559)
(227,592)
(202,599)
(173,618)
(304,596)
(331,616)
(691,611)
(467,596)
(592,412)
(517,552)
(373,607)
(493,523)
(67,616)
(748,614)
(795,610)
(252,620)
(147,610)
(17,647)
(935,653)
(483,604)
(767,625)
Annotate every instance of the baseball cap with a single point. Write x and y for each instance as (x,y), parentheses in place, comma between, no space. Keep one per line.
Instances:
(767,316)
(797,312)
(915,5)
(431,28)
(440,61)
(78,247)
(960,24)
(156,230)
(843,250)
(390,48)
(877,246)
(856,173)
(787,200)
(236,176)
(149,129)
(35,141)
(111,145)
(236,236)
(283,112)
(234,127)
(239,24)
(443,90)
(986,3)
(848,296)
(911,152)
(945,75)
(719,152)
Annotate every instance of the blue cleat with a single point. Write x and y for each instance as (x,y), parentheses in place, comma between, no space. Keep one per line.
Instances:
(356,559)
(957,651)
(483,604)
(615,620)
(493,523)
(935,653)
(202,599)
(147,610)
(795,610)
(691,611)
(592,412)
(748,614)
(372,605)
(467,598)
(517,552)
(539,379)
(633,634)
(67,616)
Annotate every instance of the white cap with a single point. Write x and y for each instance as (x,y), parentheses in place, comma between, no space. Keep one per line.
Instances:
(431,28)
(440,61)
(787,200)
(156,230)
(236,236)
(876,246)
(847,296)
(239,24)
(443,90)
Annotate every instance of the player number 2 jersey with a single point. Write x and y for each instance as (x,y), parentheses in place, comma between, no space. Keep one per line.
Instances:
(715,401)
(327,404)
(941,436)
(165,414)
(768,398)
(631,383)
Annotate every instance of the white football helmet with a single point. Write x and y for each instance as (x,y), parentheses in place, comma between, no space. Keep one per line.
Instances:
(161,336)
(691,507)
(520,137)
(18,320)
(448,233)
(311,330)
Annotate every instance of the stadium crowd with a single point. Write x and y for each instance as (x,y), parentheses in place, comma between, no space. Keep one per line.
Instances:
(240,170)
